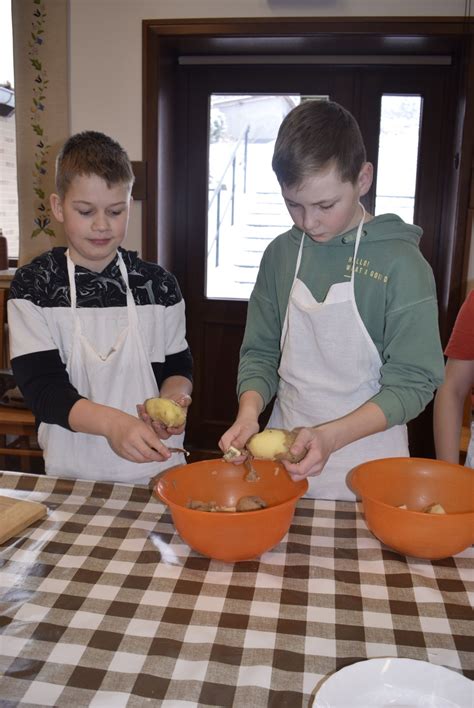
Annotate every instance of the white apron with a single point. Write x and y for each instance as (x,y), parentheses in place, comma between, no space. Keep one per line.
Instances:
(329,367)
(120,378)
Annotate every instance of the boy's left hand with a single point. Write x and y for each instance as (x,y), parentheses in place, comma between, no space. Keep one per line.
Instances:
(322,440)
(182,399)
(319,443)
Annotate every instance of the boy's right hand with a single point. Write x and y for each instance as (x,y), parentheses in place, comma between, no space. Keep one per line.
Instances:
(134,440)
(237,435)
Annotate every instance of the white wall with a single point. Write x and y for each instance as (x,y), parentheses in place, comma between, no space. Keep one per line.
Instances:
(106,54)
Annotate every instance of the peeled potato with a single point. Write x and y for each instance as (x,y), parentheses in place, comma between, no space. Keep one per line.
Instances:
(166,411)
(273,444)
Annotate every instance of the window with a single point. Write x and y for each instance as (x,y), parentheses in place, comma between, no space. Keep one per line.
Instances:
(400,122)
(245,207)
(8,169)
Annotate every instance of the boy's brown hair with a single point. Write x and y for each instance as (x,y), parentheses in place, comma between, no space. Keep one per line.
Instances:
(92,153)
(315,135)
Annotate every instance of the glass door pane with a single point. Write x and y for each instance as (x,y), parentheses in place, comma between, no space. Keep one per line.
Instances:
(400,124)
(245,207)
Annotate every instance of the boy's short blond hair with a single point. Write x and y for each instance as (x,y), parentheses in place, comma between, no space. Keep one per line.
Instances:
(92,153)
(315,135)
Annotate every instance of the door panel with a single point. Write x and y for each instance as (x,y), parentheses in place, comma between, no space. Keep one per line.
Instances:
(432,84)
(435,143)
(216,326)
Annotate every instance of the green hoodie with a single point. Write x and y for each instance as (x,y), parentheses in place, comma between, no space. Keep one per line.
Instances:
(395,295)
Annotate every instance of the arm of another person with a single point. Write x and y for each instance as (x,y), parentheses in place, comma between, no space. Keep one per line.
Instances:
(459,380)
(449,408)
(43,379)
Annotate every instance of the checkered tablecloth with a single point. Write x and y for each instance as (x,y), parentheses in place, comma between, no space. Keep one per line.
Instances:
(101,604)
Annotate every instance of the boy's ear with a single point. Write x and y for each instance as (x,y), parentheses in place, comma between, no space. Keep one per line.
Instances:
(56,207)
(365,178)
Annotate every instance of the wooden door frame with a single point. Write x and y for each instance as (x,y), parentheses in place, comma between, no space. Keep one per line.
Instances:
(165,40)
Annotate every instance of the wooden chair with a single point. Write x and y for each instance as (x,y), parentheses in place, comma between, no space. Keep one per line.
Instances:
(17,425)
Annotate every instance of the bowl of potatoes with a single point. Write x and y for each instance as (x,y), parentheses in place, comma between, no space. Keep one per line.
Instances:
(230,512)
(416,506)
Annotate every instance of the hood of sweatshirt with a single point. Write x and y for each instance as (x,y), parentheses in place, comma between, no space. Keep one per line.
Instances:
(385,227)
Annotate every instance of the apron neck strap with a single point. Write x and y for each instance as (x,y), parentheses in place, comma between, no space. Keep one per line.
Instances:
(72,281)
(300,255)
(71,270)
(357,241)
(131,308)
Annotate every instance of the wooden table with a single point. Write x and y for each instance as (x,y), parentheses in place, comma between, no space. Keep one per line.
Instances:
(103,605)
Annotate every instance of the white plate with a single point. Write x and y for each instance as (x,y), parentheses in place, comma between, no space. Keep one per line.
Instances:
(395,683)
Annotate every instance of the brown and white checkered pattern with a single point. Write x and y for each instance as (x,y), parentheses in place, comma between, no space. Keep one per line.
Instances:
(102,604)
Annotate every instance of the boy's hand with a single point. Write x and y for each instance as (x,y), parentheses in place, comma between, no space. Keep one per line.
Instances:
(182,399)
(237,435)
(134,440)
(322,440)
(319,443)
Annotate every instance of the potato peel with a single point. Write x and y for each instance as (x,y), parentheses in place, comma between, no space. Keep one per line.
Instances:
(232,453)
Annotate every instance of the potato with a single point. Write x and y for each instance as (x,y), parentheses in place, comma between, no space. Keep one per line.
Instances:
(166,411)
(273,444)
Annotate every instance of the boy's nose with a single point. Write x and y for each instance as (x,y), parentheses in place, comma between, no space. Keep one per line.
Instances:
(310,222)
(100,223)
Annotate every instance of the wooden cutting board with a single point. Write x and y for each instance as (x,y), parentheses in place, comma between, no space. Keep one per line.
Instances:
(16,515)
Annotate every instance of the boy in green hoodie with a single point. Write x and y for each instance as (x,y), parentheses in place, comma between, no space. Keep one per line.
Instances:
(342,324)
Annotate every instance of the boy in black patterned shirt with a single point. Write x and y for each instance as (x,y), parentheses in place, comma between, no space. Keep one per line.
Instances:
(95,330)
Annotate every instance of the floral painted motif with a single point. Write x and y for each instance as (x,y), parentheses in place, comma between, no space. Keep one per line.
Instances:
(38,107)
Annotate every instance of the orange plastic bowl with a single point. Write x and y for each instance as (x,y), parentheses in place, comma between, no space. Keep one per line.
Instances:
(384,485)
(229,536)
